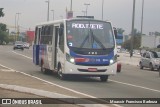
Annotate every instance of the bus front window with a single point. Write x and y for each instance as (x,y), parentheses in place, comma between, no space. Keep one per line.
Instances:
(89,34)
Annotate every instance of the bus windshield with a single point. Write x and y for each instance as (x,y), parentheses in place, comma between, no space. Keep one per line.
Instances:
(89,34)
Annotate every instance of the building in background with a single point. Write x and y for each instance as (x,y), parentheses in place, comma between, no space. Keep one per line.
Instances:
(150,41)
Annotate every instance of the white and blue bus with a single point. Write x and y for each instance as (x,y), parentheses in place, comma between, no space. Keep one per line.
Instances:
(77,46)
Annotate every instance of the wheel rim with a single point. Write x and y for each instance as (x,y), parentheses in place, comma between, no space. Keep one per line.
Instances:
(151,67)
(141,65)
(60,73)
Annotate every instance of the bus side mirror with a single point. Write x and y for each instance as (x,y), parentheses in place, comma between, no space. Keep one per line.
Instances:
(115,32)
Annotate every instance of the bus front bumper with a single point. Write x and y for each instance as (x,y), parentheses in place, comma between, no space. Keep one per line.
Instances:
(70,68)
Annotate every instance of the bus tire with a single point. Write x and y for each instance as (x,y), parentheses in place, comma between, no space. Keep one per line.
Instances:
(140,65)
(60,74)
(151,67)
(104,78)
(43,70)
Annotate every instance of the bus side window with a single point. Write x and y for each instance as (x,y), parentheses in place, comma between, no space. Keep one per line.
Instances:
(47,33)
(50,34)
(37,35)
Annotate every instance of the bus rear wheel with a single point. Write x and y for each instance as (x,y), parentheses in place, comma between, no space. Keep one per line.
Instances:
(43,70)
(104,78)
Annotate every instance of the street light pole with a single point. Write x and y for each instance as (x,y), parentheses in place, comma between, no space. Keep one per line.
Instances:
(132,34)
(18,25)
(84,12)
(48,11)
(102,8)
(71,6)
(15,21)
(142,17)
(15,26)
(86,7)
(53,14)
(18,18)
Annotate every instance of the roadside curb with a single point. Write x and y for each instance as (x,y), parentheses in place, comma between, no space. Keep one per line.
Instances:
(34,91)
(48,94)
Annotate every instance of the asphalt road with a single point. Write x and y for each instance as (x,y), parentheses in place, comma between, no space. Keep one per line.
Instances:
(130,83)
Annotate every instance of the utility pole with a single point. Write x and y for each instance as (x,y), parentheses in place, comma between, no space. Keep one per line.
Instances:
(15,26)
(132,34)
(86,7)
(53,14)
(84,12)
(142,17)
(48,11)
(71,6)
(102,8)
(18,25)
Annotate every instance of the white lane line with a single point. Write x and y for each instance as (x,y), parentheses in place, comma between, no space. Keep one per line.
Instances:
(136,86)
(6,70)
(146,88)
(77,92)
(22,55)
(49,82)
(3,66)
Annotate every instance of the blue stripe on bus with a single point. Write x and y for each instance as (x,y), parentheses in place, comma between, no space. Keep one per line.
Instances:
(93,59)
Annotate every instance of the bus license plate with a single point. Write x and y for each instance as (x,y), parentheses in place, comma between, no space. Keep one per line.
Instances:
(92,69)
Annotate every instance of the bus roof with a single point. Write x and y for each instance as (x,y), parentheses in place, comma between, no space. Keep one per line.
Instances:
(63,20)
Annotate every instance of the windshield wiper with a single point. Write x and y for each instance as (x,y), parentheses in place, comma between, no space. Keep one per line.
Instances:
(94,38)
(87,37)
(98,41)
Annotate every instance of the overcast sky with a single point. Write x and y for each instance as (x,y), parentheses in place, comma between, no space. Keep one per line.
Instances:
(119,12)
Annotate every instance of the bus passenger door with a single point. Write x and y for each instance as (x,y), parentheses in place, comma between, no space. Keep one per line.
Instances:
(55,41)
(60,47)
(36,46)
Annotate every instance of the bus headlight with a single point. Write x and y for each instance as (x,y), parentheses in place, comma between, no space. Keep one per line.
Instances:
(113,60)
(70,58)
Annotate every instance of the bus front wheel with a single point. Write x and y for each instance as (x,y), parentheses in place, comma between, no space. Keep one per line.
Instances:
(104,78)
(60,74)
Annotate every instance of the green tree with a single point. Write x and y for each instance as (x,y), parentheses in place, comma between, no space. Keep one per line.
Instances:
(3,33)
(1,12)
(137,33)
(120,30)
(3,30)
(136,41)
(3,27)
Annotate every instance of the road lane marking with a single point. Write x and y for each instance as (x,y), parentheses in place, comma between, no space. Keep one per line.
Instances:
(146,88)
(7,70)
(22,55)
(77,92)
(49,82)
(136,86)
